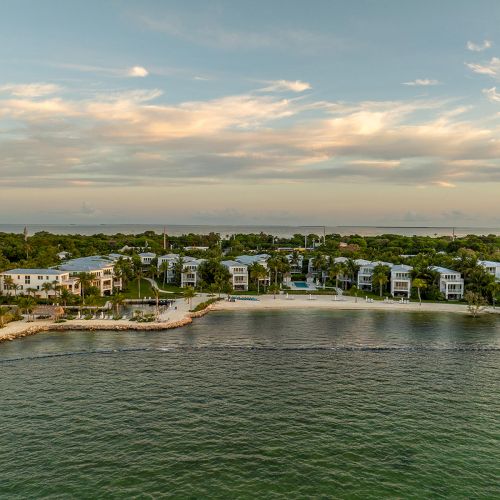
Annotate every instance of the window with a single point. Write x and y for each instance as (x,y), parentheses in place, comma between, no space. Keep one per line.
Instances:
(27,280)
(40,278)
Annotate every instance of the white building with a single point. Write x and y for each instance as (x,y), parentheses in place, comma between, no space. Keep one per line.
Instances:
(170,260)
(401,280)
(239,274)
(451,283)
(365,273)
(189,275)
(101,270)
(296,263)
(261,259)
(37,281)
(147,258)
(492,268)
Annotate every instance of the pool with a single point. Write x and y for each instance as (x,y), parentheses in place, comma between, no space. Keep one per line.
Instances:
(301,284)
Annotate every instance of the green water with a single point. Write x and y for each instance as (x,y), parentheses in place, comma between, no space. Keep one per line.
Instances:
(302,404)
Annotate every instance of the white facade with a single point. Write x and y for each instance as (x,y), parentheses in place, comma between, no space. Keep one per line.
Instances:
(37,281)
(101,270)
(401,280)
(239,274)
(451,283)
(147,258)
(492,268)
(189,275)
(260,259)
(365,273)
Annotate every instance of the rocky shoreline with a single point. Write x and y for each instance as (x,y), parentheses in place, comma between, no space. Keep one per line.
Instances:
(94,325)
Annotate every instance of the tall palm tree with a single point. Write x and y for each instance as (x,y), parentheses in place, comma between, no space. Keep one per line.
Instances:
(65,296)
(117,301)
(56,286)
(163,269)
(334,271)
(258,272)
(189,294)
(419,284)
(352,269)
(380,276)
(85,283)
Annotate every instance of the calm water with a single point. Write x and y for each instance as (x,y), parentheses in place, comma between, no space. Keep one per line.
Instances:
(257,405)
(282,231)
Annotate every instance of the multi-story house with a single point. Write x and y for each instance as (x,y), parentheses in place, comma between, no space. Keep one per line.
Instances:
(37,281)
(492,268)
(296,262)
(239,274)
(261,259)
(451,283)
(100,269)
(189,275)
(170,260)
(147,258)
(401,280)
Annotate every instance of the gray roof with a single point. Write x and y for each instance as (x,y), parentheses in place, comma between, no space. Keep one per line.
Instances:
(443,270)
(232,263)
(251,259)
(85,264)
(401,268)
(52,272)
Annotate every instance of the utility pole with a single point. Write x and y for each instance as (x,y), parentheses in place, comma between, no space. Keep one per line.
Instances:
(164,238)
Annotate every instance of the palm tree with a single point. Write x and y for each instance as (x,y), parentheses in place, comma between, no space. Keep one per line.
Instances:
(66,296)
(117,300)
(321,265)
(419,284)
(335,270)
(163,269)
(8,283)
(47,287)
(379,276)
(85,282)
(258,272)
(30,291)
(274,289)
(5,315)
(352,269)
(56,286)
(189,294)
(27,304)
(139,274)
(355,290)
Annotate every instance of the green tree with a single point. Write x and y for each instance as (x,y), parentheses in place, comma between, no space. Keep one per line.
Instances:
(475,303)
(189,294)
(257,273)
(5,316)
(419,284)
(381,276)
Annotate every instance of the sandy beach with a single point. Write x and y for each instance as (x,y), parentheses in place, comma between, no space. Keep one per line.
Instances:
(175,318)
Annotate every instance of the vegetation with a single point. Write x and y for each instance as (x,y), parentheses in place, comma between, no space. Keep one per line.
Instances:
(205,304)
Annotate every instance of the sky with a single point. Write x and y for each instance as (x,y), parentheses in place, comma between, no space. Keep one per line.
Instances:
(250,112)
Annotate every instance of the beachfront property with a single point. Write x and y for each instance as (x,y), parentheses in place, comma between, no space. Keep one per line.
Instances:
(43,283)
(296,262)
(492,268)
(147,258)
(189,275)
(451,283)
(166,264)
(261,259)
(401,280)
(101,270)
(239,274)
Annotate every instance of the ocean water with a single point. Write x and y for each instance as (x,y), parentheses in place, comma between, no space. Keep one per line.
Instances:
(301,404)
(227,230)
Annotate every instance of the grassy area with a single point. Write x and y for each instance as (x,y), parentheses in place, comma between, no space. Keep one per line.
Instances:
(132,291)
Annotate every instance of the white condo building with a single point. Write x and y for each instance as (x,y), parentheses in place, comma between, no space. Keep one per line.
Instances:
(451,283)
(401,280)
(261,259)
(101,270)
(37,281)
(239,274)
(189,275)
(492,268)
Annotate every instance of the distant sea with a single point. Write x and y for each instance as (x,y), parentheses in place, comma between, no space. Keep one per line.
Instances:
(227,230)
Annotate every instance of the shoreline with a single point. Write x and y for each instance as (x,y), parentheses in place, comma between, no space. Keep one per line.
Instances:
(19,329)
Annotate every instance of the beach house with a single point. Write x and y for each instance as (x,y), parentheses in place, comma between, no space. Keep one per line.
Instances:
(261,259)
(492,268)
(365,273)
(100,269)
(166,264)
(451,283)
(147,258)
(189,275)
(239,274)
(42,283)
(401,280)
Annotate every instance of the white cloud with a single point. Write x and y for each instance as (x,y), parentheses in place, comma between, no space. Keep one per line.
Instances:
(479,47)
(286,85)
(490,68)
(422,82)
(137,71)
(30,89)
(492,94)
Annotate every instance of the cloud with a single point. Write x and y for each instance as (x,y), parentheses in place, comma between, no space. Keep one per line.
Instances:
(286,85)
(127,138)
(421,82)
(137,71)
(479,47)
(492,94)
(30,89)
(490,68)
